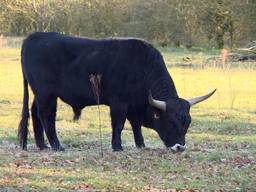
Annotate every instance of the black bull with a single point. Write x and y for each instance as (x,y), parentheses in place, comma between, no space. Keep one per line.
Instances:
(135,84)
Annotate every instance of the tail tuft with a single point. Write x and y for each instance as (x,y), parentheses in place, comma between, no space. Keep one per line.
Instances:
(23,132)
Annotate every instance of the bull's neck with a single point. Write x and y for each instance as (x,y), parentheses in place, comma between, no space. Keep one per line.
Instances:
(161,84)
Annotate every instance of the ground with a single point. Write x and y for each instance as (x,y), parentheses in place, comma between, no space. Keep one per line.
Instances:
(221,140)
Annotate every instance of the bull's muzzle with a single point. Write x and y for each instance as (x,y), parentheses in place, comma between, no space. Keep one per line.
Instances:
(178,148)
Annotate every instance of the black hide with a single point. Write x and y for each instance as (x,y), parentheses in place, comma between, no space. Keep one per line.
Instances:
(59,66)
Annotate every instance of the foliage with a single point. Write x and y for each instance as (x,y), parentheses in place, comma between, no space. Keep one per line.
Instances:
(193,22)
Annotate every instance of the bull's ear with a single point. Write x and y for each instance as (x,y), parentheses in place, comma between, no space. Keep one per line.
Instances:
(199,99)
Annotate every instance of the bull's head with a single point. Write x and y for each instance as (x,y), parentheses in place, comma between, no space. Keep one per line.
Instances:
(172,119)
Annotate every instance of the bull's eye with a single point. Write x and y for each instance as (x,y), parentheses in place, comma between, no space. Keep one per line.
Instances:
(156,115)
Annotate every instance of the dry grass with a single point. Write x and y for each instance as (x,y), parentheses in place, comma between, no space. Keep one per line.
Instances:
(221,140)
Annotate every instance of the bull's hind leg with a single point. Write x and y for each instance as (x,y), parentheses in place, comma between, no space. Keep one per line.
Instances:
(37,126)
(47,107)
(118,113)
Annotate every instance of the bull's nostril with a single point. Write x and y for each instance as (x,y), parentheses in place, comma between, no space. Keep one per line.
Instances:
(178,148)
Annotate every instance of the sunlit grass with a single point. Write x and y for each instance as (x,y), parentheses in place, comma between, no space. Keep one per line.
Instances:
(221,139)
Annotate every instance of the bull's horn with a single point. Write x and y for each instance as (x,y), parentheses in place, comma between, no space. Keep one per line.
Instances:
(156,103)
(196,100)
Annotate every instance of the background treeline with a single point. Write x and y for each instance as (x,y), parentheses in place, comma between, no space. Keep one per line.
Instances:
(212,23)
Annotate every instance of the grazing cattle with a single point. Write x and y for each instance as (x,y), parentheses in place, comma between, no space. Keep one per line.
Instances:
(135,84)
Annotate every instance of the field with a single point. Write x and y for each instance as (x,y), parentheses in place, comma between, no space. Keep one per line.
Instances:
(221,141)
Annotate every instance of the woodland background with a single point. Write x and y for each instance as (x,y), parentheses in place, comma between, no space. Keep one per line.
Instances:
(208,23)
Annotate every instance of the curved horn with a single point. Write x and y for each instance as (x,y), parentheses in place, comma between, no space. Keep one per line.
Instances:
(156,103)
(196,100)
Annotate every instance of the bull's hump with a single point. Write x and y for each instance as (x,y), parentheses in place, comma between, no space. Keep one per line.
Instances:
(39,35)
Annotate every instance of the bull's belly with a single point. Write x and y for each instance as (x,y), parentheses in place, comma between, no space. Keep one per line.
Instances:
(75,100)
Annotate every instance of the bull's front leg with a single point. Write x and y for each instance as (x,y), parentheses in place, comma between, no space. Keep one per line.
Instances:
(118,113)
(139,140)
(135,122)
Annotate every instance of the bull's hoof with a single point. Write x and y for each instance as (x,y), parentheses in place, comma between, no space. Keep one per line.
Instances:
(58,148)
(140,146)
(116,149)
(23,146)
(43,147)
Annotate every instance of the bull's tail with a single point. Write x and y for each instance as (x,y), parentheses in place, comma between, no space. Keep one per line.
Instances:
(23,126)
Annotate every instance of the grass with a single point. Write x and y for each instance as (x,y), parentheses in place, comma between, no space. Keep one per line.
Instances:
(221,139)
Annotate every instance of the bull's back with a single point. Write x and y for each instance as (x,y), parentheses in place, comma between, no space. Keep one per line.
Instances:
(61,65)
